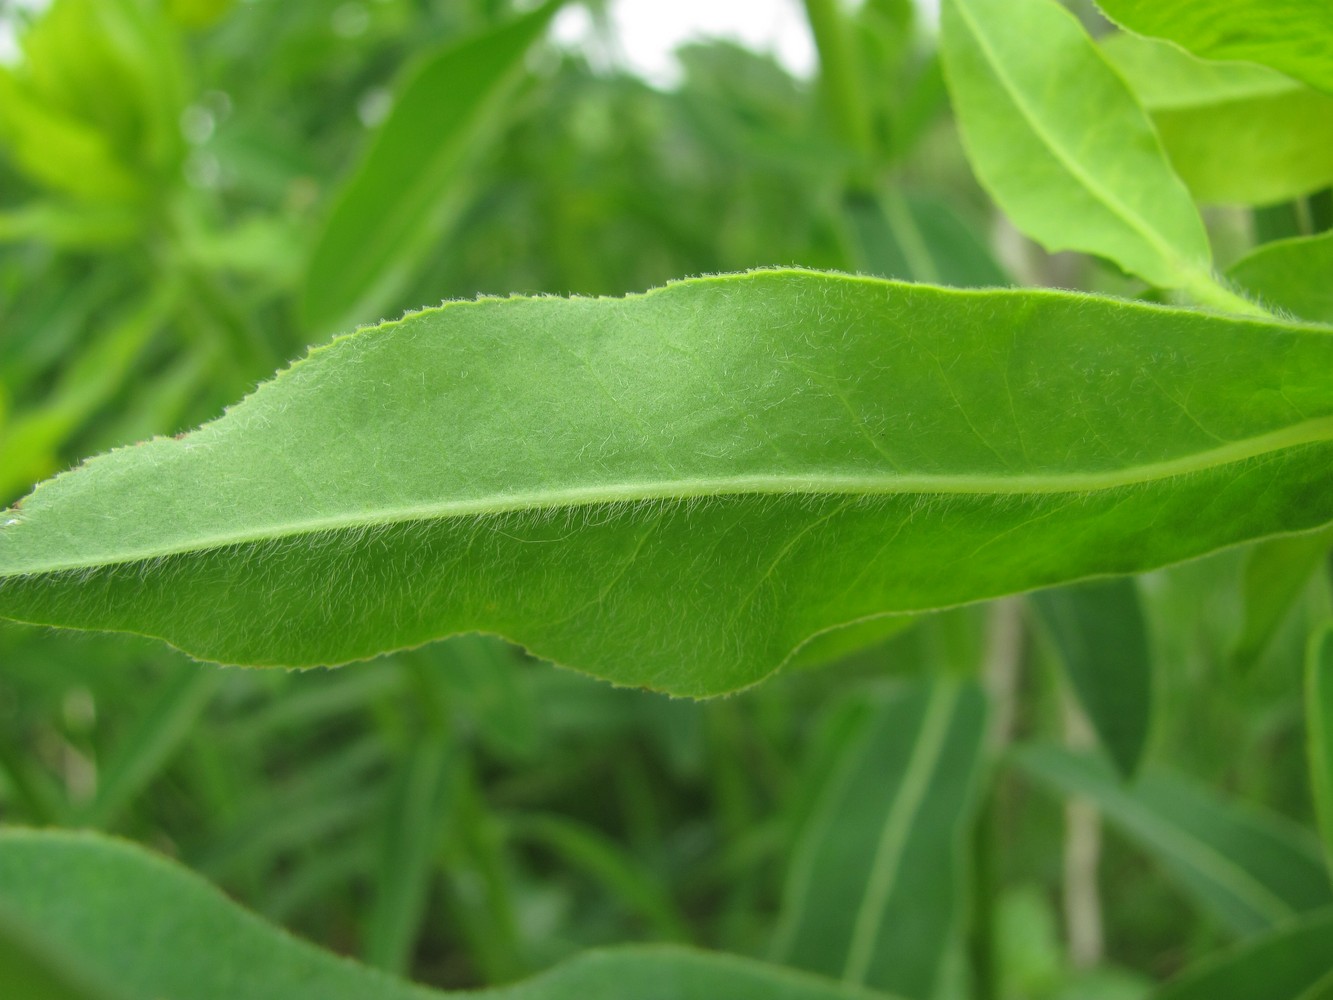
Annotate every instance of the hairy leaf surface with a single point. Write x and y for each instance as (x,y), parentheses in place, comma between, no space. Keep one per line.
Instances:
(677,489)
(1294,36)
(155,929)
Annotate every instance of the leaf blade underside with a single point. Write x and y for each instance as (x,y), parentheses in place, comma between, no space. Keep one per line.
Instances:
(677,489)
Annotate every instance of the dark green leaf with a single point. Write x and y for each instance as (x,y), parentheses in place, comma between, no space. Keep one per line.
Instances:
(1295,275)
(1102,641)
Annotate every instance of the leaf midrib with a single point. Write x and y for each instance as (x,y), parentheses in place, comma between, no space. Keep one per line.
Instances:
(1319,430)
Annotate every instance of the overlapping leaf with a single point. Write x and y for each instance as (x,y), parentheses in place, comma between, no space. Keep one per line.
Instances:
(148,927)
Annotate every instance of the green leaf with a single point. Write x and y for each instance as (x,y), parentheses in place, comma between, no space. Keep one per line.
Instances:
(411,184)
(413,831)
(1284,964)
(1319,731)
(1294,275)
(41,970)
(919,239)
(1250,869)
(1063,147)
(1294,36)
(1101,638)
(189,942)
(873,894)
(1276,574)
(1236,133)
(677,489)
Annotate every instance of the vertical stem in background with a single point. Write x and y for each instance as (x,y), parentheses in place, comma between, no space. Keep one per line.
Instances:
(1000,673)
(1082,855)
(1320,207)
(840,78)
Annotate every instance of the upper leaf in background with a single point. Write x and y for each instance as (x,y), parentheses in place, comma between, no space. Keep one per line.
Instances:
(1294,36)
(1102,641)
(1236,133)
(1063,147)
(874,891)
(1319,731)
(1252,870)
(677,489)
(403,195)
(1290,963)
(1295,275)
(189,942)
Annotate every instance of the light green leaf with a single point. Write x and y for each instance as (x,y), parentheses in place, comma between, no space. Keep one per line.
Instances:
(1101,639)
(1236,133)
(403,196)
(677,489)
(1276,574)
(873,894)
(1290,963)
(1251,870)
(189,942)
(1319,731)
(1295,275)
(1294,36)
(1063,147)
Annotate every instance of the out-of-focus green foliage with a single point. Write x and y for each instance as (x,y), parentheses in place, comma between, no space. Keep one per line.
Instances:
(466,816)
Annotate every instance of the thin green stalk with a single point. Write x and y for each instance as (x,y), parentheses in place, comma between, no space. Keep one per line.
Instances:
(841,79)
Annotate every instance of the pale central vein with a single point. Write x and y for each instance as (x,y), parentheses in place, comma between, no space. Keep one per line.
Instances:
(816,483)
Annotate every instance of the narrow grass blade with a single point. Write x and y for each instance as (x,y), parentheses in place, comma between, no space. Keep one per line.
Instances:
(1101,639)
(1292,962)
(82,890)
(1249,869)
(874,892)
(413,832)
(401,198)
(1319,731)
(149,746)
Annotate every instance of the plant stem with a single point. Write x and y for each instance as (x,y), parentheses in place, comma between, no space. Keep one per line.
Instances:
(1208,291)
(841,80)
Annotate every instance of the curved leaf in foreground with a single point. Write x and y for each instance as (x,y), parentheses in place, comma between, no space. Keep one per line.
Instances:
(677,489)
(187,941)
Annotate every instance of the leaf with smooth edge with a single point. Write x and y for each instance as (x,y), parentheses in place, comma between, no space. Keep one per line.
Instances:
(1236,133)
(1276,573)
(1295,275)
(1284,964)
(1294,36)
(40,970)
(1061,144)
(1319,731)
(1098,631)
(1250,869)
(189,942)
(677,489)
(410,184)
(873,892)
